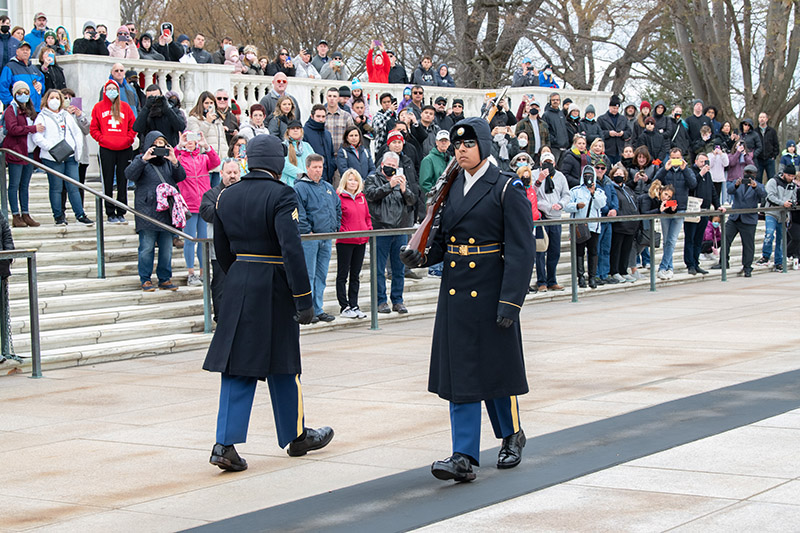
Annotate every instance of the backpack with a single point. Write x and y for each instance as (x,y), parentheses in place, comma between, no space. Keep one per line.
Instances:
(3,130)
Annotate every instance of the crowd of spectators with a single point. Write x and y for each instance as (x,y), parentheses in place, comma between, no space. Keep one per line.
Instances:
(359,165)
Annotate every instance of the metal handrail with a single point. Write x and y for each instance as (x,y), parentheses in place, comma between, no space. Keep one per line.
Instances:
(99,199)
(33,298)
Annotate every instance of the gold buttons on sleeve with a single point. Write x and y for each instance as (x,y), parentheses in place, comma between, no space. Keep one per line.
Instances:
(471,240)
(452,239)
(452,292)
(474,294)
(452,264)
(472,264)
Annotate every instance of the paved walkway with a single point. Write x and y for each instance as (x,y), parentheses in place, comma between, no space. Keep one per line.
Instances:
(653,412)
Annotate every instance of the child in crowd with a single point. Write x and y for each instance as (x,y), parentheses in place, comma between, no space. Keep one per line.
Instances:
(197,158)
(711,240)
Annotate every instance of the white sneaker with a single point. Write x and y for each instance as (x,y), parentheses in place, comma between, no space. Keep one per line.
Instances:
(796,264)
(670,274)
(348,313)
(194,280)
(619,278)
(629,278)
(359,313)
(636,276)
(662,274)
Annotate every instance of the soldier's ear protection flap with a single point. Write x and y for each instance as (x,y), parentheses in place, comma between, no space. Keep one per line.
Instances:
(285,150)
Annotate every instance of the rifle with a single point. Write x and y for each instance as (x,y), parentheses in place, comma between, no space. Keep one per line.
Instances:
(439,192)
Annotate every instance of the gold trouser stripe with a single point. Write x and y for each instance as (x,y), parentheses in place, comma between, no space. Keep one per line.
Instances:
(515,413)
(300,405)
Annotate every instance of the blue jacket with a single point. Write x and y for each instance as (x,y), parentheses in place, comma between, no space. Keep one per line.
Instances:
(746,197)
(346,158)
(612,201)
(315,134)
(790,159)
(9,46)
(16,71)
(683,181)
(319,205)
(35,38)
(544,82)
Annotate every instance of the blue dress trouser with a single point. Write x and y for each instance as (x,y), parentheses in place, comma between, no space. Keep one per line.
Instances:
(465,424)
(236,401)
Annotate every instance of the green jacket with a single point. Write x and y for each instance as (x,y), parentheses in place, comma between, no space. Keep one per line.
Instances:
(431,168)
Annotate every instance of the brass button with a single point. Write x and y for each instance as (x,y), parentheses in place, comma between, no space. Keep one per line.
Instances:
(471,240)
(472,264)
(452,239)
(452,292)
(474,294)
(452,264)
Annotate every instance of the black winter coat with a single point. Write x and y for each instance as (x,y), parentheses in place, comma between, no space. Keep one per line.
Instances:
(256,334)
(171,51)
(705,189)
(678,136)
(89,47)
(769,143)
(144,175)
(627,206)
(474,360)
(160,116)
(614,145)
(389,206)
(655,143)
(592,131)
(7,242)
(557,128)
(53,77)
(572,165)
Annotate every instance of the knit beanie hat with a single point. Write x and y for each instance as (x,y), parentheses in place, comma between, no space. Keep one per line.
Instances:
(590,109)
(789,143)
(644,104)
(614,100)
(356,84)
(395,136)
(18,86)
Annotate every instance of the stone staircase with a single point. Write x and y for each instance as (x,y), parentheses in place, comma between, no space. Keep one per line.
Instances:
(86,320)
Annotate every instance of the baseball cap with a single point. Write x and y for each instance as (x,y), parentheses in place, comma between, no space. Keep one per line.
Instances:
(442,134)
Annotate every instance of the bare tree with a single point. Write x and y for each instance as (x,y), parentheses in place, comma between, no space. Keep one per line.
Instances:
(765,40)
(144,13)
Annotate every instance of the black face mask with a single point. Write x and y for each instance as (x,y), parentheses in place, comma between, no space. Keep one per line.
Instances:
(388,171)
(534,112)
(5,29)
(618,179)
(102,36)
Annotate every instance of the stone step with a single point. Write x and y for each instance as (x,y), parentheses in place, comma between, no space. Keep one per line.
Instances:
(77,244)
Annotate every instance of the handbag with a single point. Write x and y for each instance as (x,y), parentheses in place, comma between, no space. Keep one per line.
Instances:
(62,150)
(542,239)
(643,237)
(582,233)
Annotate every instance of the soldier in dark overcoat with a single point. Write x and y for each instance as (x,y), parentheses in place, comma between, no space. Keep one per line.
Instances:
(267,296)
(485,241)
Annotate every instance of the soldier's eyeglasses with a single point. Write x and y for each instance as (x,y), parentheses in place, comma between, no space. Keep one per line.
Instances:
(469,143)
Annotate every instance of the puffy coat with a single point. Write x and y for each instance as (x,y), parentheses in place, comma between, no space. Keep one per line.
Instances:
(389,206)
(683,181)
(355,216)
(197,166)
(571,166)
(18,131)
(752,139)
(57,127)
(359,159)
(16,71)
(214,132)
(144,175)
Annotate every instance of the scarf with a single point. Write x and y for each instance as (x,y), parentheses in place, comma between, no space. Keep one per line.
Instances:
(502,142)
(164,192)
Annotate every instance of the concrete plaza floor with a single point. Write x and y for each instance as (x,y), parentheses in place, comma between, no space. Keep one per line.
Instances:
(124,446)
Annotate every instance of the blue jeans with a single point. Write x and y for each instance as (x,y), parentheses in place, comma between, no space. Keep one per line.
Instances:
(604,251)
(19,178)
(670,228)
(196,227)
(216,177)
(70,169)
(547,262)
(389,248)
(147,245)
(773,233)
(767,166)
(318,257)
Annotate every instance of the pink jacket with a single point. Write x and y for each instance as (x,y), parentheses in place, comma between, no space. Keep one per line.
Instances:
(355,216)
(197,166)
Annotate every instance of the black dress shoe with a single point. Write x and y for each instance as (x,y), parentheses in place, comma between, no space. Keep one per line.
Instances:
(456,467)
(701,270)
(227,458)
(325,317)
(592,283)
(581,282)
(692,271)
(511,451)
(314,440)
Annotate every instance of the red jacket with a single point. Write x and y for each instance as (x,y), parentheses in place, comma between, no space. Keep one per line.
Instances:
(17,133)
(355,216)
(109,133)
(378,73)
(530,192)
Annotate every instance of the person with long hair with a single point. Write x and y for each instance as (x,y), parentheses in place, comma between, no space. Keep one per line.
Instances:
(284,113)
(58,127)
(283,63)
(297,151)
(254,126)
(112,128)
(19,117)
(53,73)
(250,61)
(350,252)
(237,149)
(203,118)
(63,39)
(353,154)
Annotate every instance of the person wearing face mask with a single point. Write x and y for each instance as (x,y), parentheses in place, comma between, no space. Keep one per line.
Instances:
(678,131)
(8,43)
(589,126)
(53,73)
(546,77)
(21,69)
(622,232)
(112,127)
(84,123)
(19,117)
(712,237)
(250,61)
(59,126)
(536,130)
(586,201)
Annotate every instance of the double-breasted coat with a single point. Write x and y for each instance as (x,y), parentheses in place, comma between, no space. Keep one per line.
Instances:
(256,334)
(472,358)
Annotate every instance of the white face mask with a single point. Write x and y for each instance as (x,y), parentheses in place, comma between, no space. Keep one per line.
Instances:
(522,143)
(250,57)
(54,104)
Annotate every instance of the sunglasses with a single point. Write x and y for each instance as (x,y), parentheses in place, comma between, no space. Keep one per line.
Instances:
(281,82)
(600,166)
(223,98)
(469,143)
(417,92)
(457,105)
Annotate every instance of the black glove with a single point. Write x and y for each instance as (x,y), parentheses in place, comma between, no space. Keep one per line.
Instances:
(410,257)
(305,316)
(503,322)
